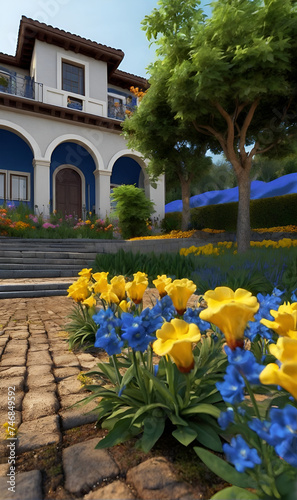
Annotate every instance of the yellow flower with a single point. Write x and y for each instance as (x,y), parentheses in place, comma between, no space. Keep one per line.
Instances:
(285,350)
(79,291)
(285,319)
(180,291)
(230,311)
(118,286)
(109,296)
(136,288)
(124,305)
(11,430)
(90,301)
(99,276)
(101,284)
(86,273)
(160,284)
(285,376)
(175,338)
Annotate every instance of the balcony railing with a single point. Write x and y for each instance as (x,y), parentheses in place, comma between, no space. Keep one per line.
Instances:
(118,108)
(21,86)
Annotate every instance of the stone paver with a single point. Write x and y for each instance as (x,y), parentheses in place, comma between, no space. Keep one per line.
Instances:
(41,358)
(115,491)
(77,415)
(39,403)
(65,372)
(154,480)
(37,433)
(28,486)
(79,476)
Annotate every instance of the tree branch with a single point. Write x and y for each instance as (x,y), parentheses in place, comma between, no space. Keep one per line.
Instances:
(212,132)
(246,125)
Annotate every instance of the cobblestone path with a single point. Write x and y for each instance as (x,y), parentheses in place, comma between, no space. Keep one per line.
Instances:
(39,372)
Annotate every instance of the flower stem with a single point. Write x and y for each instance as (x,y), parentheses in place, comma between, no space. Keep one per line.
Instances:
(116,368)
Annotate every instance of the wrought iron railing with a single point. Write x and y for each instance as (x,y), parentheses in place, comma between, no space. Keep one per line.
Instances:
(21,86)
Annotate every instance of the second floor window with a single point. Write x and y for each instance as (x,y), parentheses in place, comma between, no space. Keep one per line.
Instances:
(73,78)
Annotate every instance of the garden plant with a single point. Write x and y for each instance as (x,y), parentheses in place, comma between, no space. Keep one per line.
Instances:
(19,221)
(221,375)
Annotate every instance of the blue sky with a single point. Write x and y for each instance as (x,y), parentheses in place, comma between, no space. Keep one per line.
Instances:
(115,23)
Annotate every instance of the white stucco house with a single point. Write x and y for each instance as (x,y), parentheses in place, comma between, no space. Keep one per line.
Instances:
(62,100)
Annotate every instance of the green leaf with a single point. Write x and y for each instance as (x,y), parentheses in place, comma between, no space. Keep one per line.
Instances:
(207,436)
(185,435)
(153,430)
(127,377)
(223,469)
(177,420)
(120,433)
(148,408)
(202,408)
(162,389)
(235,493)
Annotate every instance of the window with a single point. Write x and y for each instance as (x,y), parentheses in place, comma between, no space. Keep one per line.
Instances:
(73,78)
(14,185)
(2,185)
(18,187)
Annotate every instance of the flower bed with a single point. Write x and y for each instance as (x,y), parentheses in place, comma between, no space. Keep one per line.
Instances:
(19,222)
(188,371)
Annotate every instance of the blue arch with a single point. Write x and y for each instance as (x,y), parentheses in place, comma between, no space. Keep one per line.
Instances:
(71,153)
(16,155)
(125,171)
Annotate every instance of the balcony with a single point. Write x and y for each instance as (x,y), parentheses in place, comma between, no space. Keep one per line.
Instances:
(120,107)
(20,86)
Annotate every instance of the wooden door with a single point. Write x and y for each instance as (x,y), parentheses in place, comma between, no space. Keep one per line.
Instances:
(68,192)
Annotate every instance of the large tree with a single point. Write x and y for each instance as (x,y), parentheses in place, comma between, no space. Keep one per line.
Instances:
(172,146)
(233,77)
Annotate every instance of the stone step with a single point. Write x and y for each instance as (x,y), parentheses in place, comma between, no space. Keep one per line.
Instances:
(59,254)
(14,287)
(42,262)
(31,293)
(37,273)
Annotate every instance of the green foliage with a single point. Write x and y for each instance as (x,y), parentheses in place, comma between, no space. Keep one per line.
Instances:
(81,327)
(259,270)
(171,222)
(144,404)
(266,212)
(231,76)
(133,210)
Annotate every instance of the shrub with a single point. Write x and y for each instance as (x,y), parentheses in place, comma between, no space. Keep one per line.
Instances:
(133,210)
(266,212)
(171,222)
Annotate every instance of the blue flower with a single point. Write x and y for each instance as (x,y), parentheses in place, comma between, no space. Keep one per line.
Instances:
(267,303)
(245,362)
(151,320)
(294,296)
(241,455)
(226,418)
(283,433)
(261,428)
(166,308)
(232,387)
(107,337)
(109,341)
(193,316)
(134,332)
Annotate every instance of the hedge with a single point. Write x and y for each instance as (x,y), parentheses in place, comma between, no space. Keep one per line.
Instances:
(266,212)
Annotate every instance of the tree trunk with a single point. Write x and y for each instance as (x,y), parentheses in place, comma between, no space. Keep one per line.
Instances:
(185,188)
(243,218)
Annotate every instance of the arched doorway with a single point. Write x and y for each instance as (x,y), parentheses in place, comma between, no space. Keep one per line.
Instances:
(68,192)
